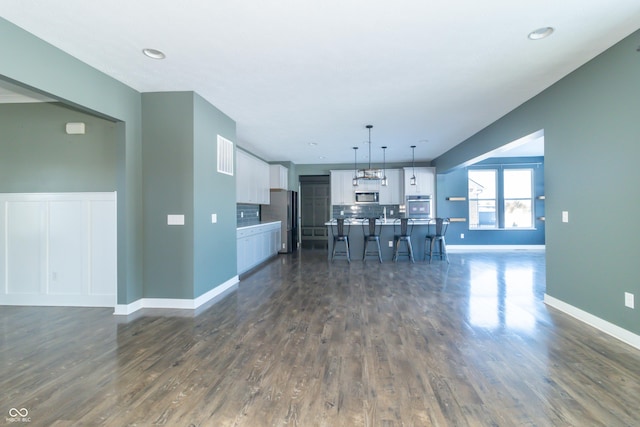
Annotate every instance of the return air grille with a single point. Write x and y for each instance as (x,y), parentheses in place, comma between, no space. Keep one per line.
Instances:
(225,156)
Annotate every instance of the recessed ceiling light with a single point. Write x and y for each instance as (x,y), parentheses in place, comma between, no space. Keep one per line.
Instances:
(540,33)
(153,53)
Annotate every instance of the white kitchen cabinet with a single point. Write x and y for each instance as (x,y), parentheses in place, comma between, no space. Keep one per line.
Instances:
(391,194)
(256,244)
(342,189)
(425,181)
(264,190)
(279,177)
(243,176)
(367,185)
(252,179)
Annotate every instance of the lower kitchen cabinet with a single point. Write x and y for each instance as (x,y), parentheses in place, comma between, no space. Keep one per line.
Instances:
(256,244)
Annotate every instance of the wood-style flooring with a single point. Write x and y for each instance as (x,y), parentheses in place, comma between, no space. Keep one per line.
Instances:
(305,342)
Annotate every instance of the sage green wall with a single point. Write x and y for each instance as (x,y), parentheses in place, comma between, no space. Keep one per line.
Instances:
(31,62)
(214,193)
(37,155)
(591,129)
(180,171)
(167,153)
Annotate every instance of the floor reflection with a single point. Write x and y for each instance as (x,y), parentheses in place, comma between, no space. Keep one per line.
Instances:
(502,291)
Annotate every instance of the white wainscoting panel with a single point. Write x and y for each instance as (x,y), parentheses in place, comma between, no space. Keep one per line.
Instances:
(58,249)
(25,249)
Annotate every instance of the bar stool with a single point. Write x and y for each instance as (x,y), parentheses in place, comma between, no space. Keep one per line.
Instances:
(436,229)
(340,232)
(402,228)
(371,229)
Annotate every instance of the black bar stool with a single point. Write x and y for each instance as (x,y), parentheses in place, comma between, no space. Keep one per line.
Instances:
(402,228)
(340,232)
(371,229)
(436,229)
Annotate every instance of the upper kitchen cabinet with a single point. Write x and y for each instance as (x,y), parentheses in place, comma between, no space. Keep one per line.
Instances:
(391,194)
(342,190)
(367,185)
(279,177)
(425,181)
(252,179)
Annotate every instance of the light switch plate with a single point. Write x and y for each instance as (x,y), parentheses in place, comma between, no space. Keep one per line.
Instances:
(629,300)
(565,216)
(214,218)
(175,219)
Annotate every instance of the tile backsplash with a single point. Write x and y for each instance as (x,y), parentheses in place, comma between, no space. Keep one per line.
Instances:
(365,211)
(247,215)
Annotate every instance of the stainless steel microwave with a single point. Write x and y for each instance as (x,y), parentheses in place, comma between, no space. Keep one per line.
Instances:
(367,197)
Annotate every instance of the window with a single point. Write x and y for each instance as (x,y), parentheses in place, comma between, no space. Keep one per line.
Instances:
(482,198)
(500,198)
(518,198)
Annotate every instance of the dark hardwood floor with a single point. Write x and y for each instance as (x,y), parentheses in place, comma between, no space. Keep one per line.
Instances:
(304,342)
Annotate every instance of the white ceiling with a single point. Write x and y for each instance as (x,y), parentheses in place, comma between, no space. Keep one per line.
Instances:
(291,72)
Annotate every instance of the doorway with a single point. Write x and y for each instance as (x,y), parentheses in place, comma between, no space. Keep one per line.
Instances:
(314,210)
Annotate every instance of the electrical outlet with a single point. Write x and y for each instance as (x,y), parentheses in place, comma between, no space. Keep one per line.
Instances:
(462,235)
(390,211)
(629,300)
(258,213)
(390,244)
(565,216)
(284,246)
(341,213)
(241,214)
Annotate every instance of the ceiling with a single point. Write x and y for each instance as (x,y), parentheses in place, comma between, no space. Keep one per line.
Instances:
(302,79)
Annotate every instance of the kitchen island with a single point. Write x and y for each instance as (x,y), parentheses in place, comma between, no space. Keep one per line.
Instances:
(356,230)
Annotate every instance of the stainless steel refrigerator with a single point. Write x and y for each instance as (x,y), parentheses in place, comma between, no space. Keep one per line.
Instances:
(284,207)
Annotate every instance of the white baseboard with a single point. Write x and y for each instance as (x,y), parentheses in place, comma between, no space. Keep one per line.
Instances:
(485,248)
(175,303)
(56,300)
(598,323)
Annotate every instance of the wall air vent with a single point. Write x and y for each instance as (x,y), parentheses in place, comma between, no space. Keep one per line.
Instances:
(225,156)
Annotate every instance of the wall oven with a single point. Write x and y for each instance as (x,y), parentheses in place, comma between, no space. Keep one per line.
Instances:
(419,207)
(363,197)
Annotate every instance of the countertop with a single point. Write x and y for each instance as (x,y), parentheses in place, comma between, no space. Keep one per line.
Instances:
(390,221)
(246,227)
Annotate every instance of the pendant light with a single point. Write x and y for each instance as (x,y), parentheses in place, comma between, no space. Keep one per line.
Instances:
(369,127)
(384,181)
(412,181)
(354,182)
(369,173)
